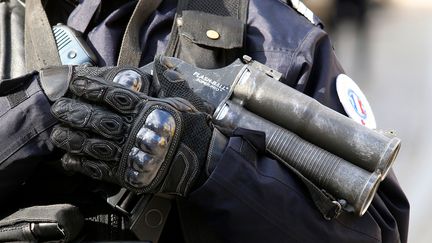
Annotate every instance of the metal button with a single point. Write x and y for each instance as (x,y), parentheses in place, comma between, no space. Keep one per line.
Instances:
(72,54)
(212,34)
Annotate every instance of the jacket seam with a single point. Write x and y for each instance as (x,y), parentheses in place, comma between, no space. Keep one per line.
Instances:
(298,49)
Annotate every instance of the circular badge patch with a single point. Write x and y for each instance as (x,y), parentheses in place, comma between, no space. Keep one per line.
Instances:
(354,101)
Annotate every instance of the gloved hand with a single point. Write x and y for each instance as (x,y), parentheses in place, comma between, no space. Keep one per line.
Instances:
(143,143)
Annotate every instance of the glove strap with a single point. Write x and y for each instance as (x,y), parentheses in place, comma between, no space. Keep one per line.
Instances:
(40,45)
(55,81)
(130,50)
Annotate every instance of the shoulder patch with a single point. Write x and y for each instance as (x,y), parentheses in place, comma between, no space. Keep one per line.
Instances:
(301,8)
(354,101)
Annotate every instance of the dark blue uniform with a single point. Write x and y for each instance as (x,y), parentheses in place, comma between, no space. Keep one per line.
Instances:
(248,198)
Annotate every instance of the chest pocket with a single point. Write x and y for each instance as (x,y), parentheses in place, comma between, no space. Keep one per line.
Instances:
(208,34)
(207,40)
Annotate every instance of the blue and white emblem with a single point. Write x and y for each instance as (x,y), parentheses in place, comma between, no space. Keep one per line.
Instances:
(354,101)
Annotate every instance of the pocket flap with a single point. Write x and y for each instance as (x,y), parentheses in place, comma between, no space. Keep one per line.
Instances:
(212,30)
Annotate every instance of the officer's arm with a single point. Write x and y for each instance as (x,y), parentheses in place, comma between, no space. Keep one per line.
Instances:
(26,124)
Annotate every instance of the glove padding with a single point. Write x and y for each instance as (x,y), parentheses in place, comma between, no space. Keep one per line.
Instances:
(143,143)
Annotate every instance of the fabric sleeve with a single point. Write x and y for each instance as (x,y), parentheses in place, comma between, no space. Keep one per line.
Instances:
(26,121)
(257,199)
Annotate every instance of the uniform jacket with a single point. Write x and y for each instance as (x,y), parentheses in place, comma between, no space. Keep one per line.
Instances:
(251,197)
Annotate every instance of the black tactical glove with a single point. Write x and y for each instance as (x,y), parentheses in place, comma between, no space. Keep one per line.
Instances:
(143,143)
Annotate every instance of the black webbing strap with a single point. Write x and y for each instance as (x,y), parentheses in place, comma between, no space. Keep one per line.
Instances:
(130,50)
(40,46)
(16,98)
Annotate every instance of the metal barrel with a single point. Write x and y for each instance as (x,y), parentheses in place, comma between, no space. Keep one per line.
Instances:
(315,122)
(339,177)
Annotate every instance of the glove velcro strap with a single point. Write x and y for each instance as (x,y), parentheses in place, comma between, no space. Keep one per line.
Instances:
(55,81)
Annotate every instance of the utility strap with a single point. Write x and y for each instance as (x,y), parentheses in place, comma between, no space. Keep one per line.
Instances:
(130,50)
(40,46)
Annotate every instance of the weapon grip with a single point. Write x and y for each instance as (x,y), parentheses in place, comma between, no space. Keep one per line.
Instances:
(330,172)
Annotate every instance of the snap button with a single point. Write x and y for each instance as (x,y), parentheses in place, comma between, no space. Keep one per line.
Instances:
(212,34)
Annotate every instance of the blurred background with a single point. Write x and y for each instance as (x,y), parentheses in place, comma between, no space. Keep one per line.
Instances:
(386,47)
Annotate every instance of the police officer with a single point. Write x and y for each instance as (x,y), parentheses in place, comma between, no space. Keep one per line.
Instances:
(240,195)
